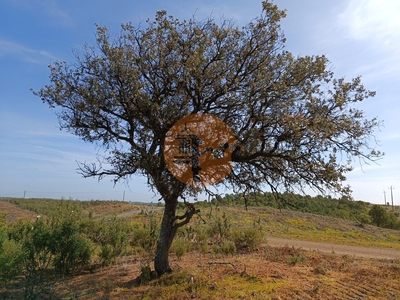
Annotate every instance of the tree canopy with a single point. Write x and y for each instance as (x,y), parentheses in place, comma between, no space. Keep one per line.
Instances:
(295,124)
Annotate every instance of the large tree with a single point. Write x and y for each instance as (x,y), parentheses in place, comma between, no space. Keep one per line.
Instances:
(295,125)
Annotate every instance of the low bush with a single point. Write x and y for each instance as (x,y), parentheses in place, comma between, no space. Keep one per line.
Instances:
(246,239)
(180,246)
(113,240)
(11,255)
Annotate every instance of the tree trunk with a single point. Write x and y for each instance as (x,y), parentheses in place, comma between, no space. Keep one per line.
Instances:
(167,234)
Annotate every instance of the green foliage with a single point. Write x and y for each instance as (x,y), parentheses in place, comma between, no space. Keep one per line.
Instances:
(378,215)
(219,229)
(145,236)
(392,221)
(70,248)
(47,207)
(114,239)
(327,206)
(225,247)
(180,246)
(247,238)
(297,258)
(228,247)
(11,255)
(38,246)
(382,218)
(54,242)
(145,273)
(11,260)
(365,218)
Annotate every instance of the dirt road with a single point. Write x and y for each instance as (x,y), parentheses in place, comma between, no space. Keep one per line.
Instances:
(368,252)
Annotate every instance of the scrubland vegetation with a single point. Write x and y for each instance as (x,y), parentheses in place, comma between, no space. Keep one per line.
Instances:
(342,208)
(216,256)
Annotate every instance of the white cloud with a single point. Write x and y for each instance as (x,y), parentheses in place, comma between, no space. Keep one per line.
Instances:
(25,53)
(376,20)
(371,31)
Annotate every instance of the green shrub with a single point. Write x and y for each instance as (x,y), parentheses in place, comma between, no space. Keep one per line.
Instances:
(180,246)
(203,247)
(246,239)
(106,255)
(114,240)
(37,246)
(201,239)
(145,275)
(146,236)
(201,234)
(71,249)
(296,258)
(228,248)
(141,238)
(392,222)
(9,263)
(378,215)
(11,257)
(365,218)
(225,248)
(220,228)
(382,218)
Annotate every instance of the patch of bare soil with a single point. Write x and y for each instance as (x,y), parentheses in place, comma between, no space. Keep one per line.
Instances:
(14,213)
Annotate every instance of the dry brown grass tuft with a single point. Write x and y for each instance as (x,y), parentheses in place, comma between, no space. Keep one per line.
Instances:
(267,273)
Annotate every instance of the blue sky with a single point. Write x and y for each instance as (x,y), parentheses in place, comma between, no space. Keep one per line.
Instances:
(360,37)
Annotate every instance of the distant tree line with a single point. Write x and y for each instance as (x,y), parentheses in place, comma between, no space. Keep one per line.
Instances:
(322,205)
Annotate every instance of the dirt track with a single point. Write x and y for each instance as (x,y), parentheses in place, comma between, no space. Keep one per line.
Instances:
(368,252)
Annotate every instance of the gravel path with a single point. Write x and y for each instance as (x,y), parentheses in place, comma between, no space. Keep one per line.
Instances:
(368,252)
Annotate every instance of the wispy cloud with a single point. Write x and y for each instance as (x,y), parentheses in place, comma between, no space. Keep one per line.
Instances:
(9,48)
(372,27)
(374,20)
(50,8)
(56,13)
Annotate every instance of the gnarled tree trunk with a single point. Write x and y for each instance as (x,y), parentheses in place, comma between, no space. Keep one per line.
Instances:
(167,234)
(169,225)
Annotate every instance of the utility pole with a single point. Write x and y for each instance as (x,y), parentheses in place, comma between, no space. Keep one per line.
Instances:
(391,194)
(384,196)
(24,194)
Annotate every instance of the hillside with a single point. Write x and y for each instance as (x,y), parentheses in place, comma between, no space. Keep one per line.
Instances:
(234,255)
(344,208)
(96,208)
(14,213)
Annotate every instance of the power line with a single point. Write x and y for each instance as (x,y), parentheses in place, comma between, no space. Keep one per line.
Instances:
(391,194)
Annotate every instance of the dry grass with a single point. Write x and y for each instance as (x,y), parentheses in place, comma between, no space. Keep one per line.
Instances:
(102,209)
(268,273)
(311,227)
(14,213)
